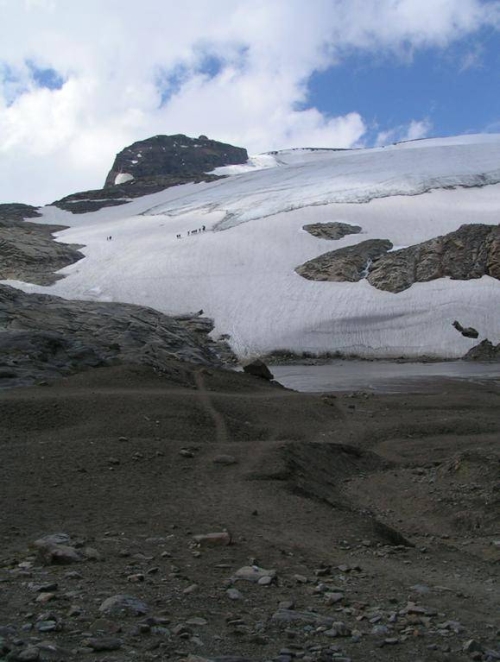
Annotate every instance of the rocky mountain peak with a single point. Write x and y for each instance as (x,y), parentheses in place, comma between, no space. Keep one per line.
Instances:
(177,155)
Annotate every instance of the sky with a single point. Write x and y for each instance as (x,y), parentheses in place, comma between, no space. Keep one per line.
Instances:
(81,80)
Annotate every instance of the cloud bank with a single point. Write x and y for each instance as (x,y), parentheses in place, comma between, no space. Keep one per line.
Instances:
(79,81)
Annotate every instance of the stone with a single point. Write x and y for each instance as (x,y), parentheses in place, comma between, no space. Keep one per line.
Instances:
(286,616)
(30,654)
(258,368)
(100,644)
(221,539)
(49,553)
(252,573)
(467,332)
(234,594)
(225,460)
(472,646)
(333,598)
(118,605)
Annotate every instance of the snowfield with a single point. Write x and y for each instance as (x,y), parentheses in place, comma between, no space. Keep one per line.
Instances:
(240,270)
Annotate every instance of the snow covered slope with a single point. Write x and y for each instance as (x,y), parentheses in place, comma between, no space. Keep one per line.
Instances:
(240,270)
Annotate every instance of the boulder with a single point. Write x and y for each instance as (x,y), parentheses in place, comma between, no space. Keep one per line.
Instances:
(467,332)
(258,369)
(485,351)
(333,231)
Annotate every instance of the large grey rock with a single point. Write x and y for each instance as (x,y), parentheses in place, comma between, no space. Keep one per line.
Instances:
(258,368)
(173,155)
(485,351)
(43,336)
(470,252)
(332,231)
(28,251)
(348,264)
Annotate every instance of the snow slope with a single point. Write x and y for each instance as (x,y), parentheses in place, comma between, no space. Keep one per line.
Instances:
(240,271)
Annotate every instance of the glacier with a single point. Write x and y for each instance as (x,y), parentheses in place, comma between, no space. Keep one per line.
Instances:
(240,271)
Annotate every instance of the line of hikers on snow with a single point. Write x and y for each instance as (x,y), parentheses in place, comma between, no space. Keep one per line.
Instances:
(190,232)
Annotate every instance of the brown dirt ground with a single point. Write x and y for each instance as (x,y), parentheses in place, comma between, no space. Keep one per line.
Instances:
(320,481)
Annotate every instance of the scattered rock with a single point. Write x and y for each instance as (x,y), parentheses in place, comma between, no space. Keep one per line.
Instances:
(100,644)
(54,550)
(118,605)
(221,539)
(252,573)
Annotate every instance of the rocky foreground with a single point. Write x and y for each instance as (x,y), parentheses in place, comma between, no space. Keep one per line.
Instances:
(207,515)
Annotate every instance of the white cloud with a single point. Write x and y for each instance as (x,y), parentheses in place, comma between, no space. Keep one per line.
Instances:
(415,130)
(112,53)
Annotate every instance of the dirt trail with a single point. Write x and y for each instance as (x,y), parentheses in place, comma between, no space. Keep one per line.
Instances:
(220,425)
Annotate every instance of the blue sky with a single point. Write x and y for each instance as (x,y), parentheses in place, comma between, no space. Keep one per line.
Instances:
(79,81)
(456,91)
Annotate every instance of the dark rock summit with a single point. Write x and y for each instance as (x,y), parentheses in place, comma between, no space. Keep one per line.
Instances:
(28,251)
(345,264)
(176,155)
(470,252)
(332,231)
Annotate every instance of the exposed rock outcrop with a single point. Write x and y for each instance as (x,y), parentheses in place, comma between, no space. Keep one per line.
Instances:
(28,251)
(332,231)
(345,264)
(112,196)
(467,332)
(176,155)
(470,252)
(485,351)
(43,336)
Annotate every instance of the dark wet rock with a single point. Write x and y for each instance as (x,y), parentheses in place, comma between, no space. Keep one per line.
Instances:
(470,252)
(485,351)
(44,336)
(119,605)
(28,251)
(467,332)
(258,369)
(173,155)
(348,264)
(332,231)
